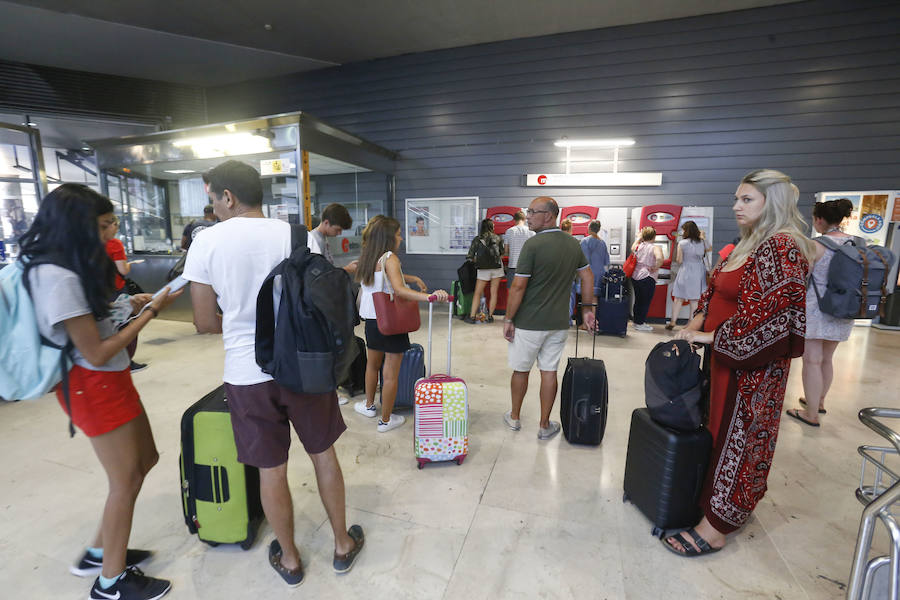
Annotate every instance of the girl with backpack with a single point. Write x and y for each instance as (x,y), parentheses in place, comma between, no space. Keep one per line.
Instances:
(71,280)
(379,269)
(485,251)
(752,315)
(823,332)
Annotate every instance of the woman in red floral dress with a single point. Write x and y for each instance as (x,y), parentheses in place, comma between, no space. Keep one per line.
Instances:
(753,315)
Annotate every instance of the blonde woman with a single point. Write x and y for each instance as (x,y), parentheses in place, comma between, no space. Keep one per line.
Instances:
(753,315)
(649,259)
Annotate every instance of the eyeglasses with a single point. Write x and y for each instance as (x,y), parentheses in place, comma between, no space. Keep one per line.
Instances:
(530,212)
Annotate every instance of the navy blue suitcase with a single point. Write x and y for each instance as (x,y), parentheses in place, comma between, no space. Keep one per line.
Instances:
(613,303)
(412,369)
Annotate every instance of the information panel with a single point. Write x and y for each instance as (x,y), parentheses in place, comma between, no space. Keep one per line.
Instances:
(440,225)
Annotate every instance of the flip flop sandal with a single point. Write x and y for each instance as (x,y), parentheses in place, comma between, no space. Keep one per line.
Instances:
(822,411)
(689,550)
(795,414)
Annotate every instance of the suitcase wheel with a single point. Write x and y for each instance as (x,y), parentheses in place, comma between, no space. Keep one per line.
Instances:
(625,498)
(247,544)
(422,462)
(460,459)
(657,532)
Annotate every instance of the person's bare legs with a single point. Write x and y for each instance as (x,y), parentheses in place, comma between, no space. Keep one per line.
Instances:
(330,480)
(828,348)
(677,303)
(693,304)
(392,361)
(279,509)
(548,396)
(374,358)
(518,386)
(812,380)
(126,454)
(704,529)
(476,297)
(495,289)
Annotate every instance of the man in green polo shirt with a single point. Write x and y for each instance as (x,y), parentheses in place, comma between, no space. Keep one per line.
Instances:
(537,309)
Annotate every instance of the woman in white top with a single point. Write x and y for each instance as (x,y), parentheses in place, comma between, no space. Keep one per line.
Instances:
(643,280)
(690,282)
(823,332)
(381,239)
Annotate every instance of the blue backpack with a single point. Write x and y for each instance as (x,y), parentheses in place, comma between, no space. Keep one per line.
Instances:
(30,364)
(856,287)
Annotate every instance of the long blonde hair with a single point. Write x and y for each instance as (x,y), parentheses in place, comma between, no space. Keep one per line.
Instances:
(378,237)
(780,215)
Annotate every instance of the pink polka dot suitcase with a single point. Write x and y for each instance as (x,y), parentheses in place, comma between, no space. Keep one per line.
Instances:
(441,407)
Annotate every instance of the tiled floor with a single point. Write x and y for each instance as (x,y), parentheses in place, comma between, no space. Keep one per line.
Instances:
(520,519)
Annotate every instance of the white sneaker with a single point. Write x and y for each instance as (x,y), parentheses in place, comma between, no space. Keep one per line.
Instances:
(393,423)
(342,400)
(514,424)
(642,327)
(548,432)
(366,411)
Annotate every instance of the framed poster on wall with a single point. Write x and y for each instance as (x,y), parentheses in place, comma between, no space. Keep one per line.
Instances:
(440,225)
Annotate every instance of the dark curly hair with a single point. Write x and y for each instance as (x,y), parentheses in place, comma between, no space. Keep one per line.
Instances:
(833,211)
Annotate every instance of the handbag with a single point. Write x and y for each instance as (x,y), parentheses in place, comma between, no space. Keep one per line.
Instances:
(630,264)
(393,314)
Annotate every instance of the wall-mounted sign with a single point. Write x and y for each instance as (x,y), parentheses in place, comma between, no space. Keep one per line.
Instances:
(592,179)
(871,211)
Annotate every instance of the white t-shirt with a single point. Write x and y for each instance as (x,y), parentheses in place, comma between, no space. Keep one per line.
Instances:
(235,257)
(318,244)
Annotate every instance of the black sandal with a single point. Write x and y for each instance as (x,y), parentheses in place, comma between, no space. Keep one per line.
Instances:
(822,411)
(689,550)
(794,413)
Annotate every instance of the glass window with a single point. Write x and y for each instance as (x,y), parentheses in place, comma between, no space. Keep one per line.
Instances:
(18,191)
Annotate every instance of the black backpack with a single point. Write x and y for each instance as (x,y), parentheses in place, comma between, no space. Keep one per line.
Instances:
(310,347)
(675,386)
(487,254)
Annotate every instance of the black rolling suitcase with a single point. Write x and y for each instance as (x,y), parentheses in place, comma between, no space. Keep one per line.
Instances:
(584,399)
(220,496)
(613,303)
(664,472)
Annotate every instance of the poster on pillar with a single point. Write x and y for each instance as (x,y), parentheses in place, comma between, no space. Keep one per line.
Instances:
(440,225)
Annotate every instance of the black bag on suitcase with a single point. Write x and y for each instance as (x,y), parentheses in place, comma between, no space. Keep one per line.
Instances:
(220,496)
(613,303)
(584,399)
(356,378)
(675,386)
(664,472)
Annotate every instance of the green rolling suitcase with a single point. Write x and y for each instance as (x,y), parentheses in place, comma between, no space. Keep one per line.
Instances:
(462,303)
(220,496)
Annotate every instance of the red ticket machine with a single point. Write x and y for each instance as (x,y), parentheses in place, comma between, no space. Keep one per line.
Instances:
(581,216)
(502,216)
(664,218)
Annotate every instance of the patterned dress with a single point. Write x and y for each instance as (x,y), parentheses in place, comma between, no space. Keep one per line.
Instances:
(758,314)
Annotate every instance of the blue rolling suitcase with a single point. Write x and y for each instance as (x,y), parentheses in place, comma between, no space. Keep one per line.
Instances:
(411,370)
(613,303)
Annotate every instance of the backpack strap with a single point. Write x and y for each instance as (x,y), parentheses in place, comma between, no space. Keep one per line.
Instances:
(265,319)
(299,237)
(65,355)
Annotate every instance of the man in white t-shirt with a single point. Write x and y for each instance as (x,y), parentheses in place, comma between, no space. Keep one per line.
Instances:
(335,219)
(513,239)
(227,265)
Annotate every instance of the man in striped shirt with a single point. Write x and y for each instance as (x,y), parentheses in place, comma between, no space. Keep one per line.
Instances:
(514,238)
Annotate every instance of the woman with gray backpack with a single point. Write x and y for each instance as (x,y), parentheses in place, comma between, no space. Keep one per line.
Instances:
(823,331)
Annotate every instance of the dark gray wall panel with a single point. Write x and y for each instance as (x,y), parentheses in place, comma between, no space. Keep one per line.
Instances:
(812,88)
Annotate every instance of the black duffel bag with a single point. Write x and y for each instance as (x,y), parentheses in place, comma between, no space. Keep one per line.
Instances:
(467,274)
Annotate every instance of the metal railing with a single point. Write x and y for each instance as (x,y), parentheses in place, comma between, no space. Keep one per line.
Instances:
(879,495)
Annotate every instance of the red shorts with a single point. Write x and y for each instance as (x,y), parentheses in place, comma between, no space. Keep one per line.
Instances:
(101,400)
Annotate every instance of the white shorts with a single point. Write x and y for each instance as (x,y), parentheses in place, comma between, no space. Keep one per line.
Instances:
(488,274)
(544,346)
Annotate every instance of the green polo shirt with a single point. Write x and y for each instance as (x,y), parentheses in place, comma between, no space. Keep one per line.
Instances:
(550,261)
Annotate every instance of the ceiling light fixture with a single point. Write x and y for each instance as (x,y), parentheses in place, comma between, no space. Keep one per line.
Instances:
(217,146)
(609,143)
(180,171)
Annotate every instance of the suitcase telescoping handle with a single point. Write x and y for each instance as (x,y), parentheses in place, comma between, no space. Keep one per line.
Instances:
(431,301)
(594,336)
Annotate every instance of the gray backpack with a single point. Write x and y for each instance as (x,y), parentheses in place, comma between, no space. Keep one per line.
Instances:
(855,288)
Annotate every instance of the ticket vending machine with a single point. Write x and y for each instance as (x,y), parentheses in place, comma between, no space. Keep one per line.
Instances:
(580,216)
(664,218)
(502,216)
